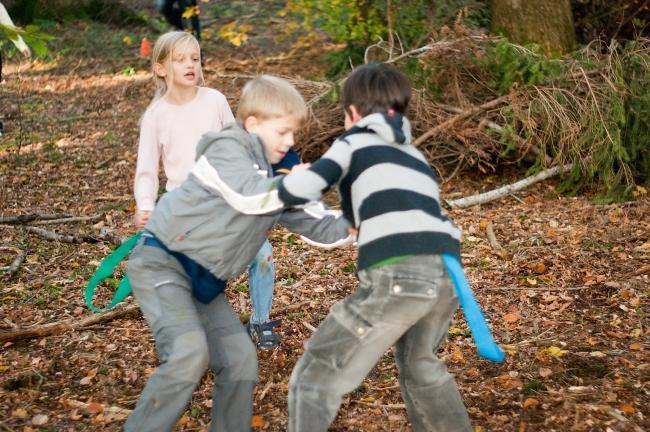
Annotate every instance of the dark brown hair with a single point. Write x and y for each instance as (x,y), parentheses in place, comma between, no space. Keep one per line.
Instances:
(376,87)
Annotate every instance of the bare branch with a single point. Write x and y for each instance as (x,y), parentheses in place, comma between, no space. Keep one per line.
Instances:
(508,189)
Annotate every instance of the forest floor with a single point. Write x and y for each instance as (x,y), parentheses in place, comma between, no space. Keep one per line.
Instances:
(567,296)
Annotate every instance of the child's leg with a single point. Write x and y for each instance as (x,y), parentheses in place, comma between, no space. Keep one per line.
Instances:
(261,280)
(164,294)
(357,332)
(432,399)
(234,362)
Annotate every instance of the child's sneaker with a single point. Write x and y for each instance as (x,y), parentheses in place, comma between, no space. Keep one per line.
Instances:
(262,334)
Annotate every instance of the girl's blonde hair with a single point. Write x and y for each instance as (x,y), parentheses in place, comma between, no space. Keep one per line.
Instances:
(268,97)
(163,51)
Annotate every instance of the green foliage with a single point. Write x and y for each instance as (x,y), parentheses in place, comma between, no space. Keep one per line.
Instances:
(512,65)
(592,110)
(32,35)
(356,24)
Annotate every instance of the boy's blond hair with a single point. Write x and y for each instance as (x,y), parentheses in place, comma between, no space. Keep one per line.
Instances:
(267,97)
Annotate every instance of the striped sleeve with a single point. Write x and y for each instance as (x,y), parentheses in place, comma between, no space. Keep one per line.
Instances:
(309,185)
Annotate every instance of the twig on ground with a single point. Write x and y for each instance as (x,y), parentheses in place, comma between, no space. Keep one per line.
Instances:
(59,327)
(309,326)
(505,190)
(492,238)
(16,263)
(376,405)
(267,387)
(92,218)
(524,288)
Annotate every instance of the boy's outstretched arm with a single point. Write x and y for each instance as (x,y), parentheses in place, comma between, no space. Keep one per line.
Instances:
(309,185)
(326,230)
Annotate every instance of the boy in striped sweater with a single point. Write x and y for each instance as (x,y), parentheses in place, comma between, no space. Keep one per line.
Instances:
(405,297)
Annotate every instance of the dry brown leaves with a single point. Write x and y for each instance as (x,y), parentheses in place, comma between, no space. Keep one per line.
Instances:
(567,296)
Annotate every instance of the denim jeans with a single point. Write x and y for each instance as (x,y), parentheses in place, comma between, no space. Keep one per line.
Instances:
(261,280)
(190,337)
(407,305)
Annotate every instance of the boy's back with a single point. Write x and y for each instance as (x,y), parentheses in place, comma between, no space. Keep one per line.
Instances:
(387,190)
(405,298)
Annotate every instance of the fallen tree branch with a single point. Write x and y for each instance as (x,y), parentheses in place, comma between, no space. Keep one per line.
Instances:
(68,238)
(92,218)
(16,263)
(21,219)
(51,235)
(508,189)
(59,327)
(462,116)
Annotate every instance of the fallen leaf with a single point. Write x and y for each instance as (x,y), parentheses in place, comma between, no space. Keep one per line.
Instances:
(511,317)
(554,351)
(627,409)
(635,346)
(19,413)
(544,372)
(257,422)
(182,421)
(40,419)
(530,402)
(94,408)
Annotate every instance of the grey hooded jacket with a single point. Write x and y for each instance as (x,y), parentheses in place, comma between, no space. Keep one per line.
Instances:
(220,216)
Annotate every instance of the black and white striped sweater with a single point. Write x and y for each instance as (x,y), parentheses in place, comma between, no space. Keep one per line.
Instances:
(387,188)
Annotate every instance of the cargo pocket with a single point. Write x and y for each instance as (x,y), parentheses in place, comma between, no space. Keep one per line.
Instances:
(338,337)
(409,298)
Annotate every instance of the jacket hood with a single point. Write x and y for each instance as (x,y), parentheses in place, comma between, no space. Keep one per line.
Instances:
(232,130)
(393,127)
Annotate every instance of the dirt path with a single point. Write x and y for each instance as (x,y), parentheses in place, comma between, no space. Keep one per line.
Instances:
(568,297)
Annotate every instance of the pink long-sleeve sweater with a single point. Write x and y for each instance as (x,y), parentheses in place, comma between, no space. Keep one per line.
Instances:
(170,132)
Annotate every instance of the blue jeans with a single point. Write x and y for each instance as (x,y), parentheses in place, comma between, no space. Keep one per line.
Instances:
(190,337)
(407,305)
(261,280)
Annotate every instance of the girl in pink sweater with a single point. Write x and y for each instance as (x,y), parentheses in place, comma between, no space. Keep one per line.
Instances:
(179,114)
(181,111)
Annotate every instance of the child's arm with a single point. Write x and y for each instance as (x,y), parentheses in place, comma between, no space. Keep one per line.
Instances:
(324,230)
(310,184)
(145,185)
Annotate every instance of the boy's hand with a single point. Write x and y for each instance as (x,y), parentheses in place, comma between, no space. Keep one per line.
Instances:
(300,167)
(141,218)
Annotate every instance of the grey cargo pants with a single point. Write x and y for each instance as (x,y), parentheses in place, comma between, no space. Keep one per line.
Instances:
(190,337)
(407,305)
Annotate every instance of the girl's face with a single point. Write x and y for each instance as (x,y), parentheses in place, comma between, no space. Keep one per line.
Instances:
(183,66)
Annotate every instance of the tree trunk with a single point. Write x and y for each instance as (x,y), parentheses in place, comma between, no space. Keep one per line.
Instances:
(548,23)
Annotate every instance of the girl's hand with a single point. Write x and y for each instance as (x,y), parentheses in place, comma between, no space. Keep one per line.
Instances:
(299,167)
(141,218)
